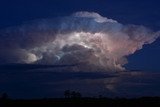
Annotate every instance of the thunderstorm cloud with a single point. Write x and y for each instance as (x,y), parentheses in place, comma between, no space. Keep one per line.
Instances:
(87,39)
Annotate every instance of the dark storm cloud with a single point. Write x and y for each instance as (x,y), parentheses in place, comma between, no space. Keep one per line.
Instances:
(94,42)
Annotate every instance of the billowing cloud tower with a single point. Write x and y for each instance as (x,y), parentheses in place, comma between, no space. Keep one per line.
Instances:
(86,39)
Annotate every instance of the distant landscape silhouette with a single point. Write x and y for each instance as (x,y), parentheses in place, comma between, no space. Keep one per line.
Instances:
(75,99)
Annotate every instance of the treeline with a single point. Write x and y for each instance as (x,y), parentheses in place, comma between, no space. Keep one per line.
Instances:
(83,102)
(75,99)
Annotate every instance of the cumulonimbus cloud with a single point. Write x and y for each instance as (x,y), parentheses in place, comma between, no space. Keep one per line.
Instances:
(87,39)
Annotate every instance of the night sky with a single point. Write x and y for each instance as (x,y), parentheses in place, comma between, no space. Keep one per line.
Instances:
(27,26)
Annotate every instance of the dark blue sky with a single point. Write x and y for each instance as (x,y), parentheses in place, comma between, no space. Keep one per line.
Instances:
(22,84)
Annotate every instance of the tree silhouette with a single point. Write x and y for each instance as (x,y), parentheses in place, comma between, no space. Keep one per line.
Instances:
(4,96)
(71,94)
(100,96)
(67,94)
(75,94)
(78,95)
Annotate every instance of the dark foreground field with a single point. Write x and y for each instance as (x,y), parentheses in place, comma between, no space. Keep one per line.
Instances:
(84,102)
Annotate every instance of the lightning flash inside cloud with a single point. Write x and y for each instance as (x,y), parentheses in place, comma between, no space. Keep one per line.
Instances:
(84,38)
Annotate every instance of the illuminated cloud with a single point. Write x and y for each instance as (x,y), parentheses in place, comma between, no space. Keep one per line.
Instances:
(93,42)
